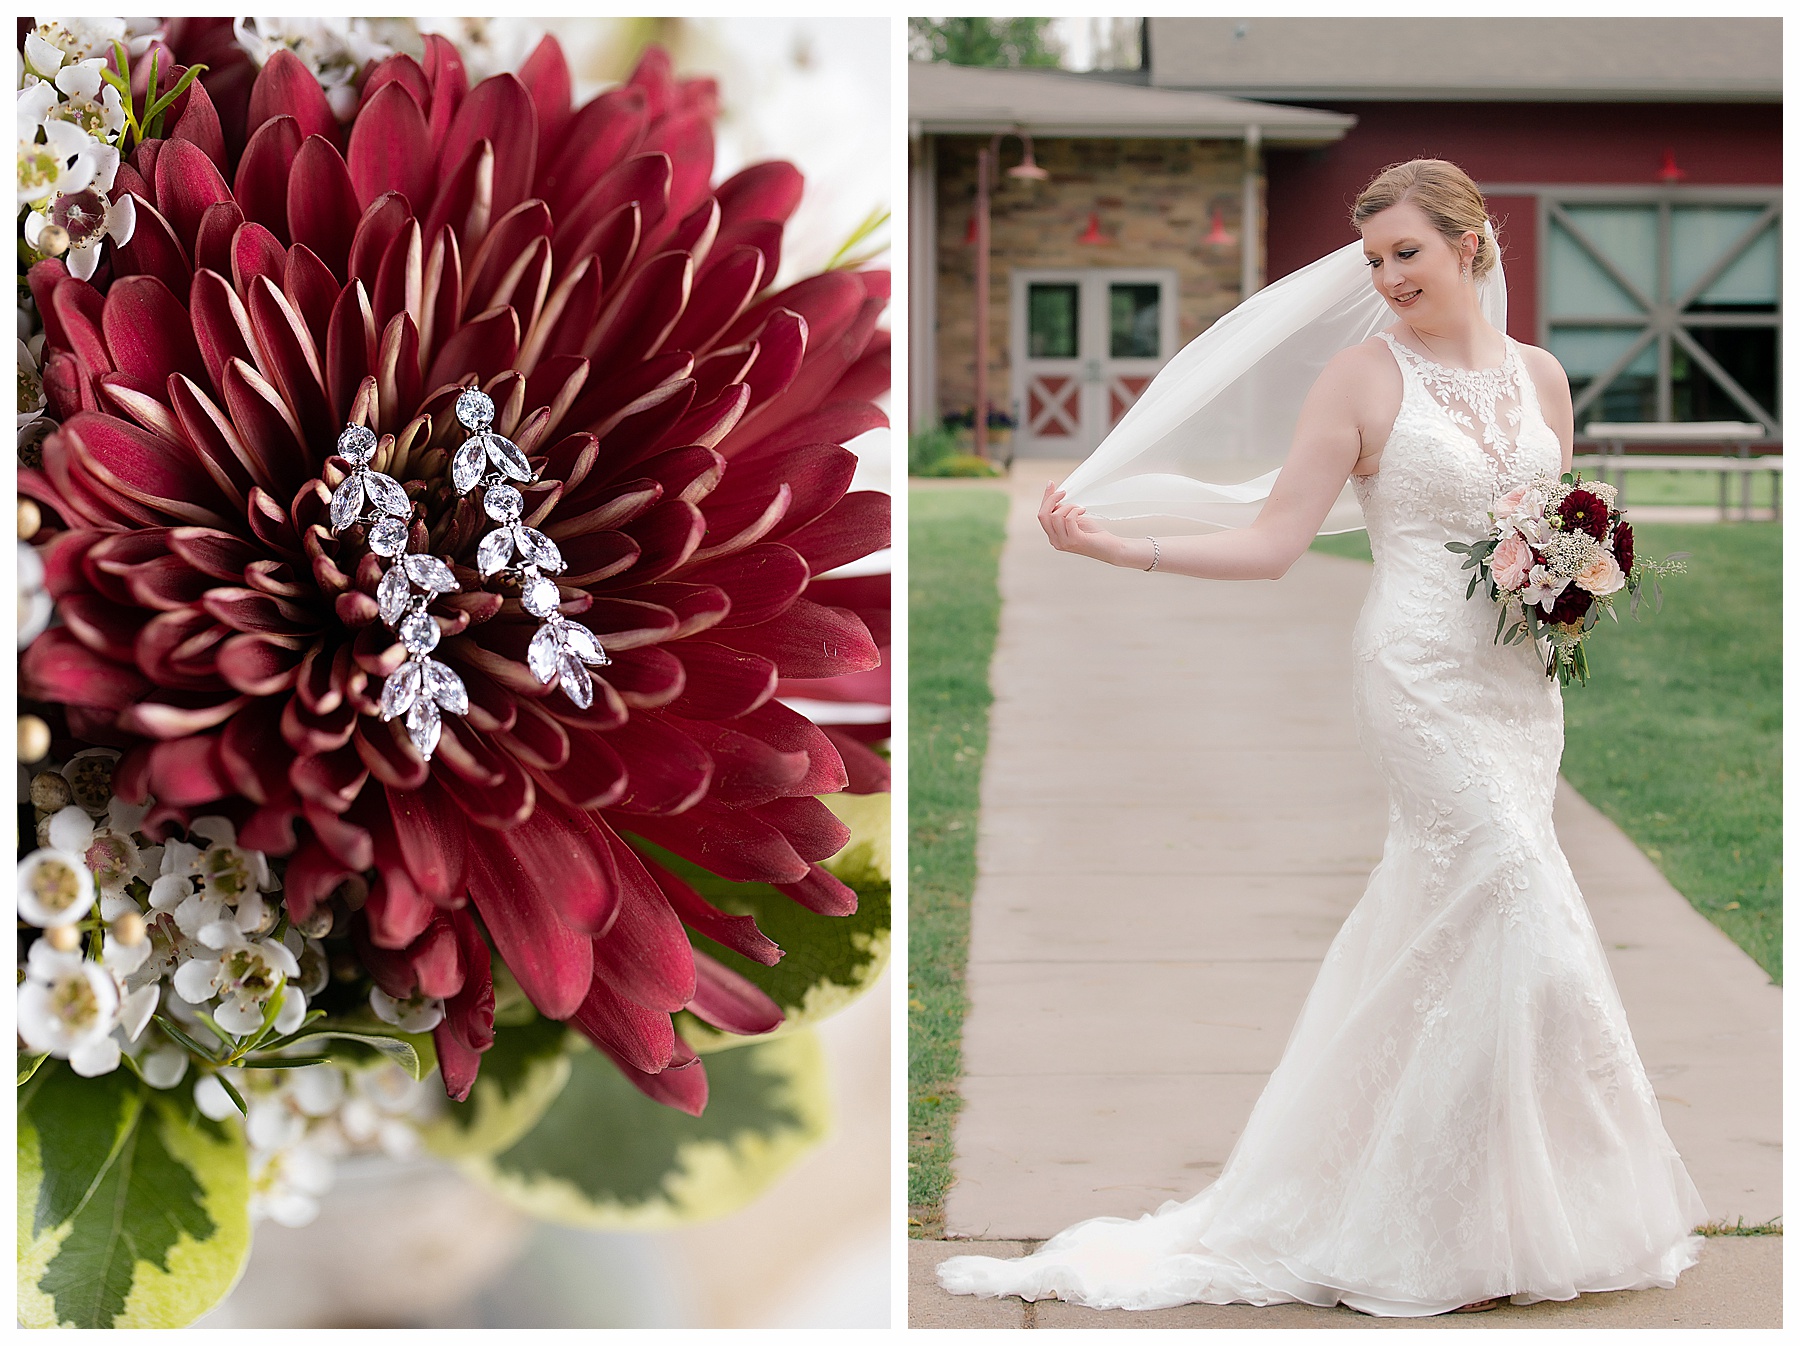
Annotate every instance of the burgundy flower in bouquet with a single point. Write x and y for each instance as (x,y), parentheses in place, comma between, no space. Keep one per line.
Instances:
(289,276)
(1559,552)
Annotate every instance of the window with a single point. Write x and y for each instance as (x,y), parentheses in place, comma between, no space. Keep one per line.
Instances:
(1136,320)
(1054,320)
(1666,309)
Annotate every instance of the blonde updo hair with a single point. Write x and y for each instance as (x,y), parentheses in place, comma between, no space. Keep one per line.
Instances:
(1450,200)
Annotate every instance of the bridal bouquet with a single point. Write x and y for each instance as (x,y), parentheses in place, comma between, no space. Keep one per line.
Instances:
(1560,553)
(429,510)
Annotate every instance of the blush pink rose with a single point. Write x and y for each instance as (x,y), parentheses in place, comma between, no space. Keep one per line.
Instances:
(1601,576)
(1510,502)
(1512,563)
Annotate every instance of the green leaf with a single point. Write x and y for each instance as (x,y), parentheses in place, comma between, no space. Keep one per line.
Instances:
(847,257)
(1474,583)
(28,1065)
(827,961)
(412,1052)
(606,1157)
(867,858)
(133,1208)
(521,1076)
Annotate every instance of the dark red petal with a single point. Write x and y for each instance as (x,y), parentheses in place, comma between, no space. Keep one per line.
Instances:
(499,111)
(868,771)
(645,956)
(738,933)
(730,842)
(312,875)
(811,828)
(213,240)
(258,665)
(198,121)
(553,964)
(188,771)
(163,718)
(433,839)
(397,913)
(322,208)
(721,682)
(571,865)
(642,1038)
(810,641)
(600,135)
(391,970)
(822,892)
(470,1012)
(348,842)
(154,250)
(187,182)
(790,731)
(482,350)
(721,291)
(286,88)
(767,191)
(158,473)
(390,148)
(858,524)
(681,1087)
(747,770)
(592,777)
(59,668)
(546,74)
(459,1064)
(263,174)
(643,315)
(731,1001)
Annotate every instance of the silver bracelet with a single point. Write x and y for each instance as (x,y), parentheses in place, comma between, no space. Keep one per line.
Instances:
(1155,556)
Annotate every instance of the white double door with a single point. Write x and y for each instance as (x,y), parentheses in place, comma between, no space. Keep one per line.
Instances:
(1086,343)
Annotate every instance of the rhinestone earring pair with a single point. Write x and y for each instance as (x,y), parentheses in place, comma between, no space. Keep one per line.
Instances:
(422,688)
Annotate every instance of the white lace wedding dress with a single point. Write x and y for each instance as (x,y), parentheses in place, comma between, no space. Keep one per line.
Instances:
(1460,1113)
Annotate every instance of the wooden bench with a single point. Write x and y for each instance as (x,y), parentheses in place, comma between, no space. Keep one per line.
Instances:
(1613,463)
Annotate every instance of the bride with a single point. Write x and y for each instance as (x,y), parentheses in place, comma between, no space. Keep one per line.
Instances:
(1460,1116)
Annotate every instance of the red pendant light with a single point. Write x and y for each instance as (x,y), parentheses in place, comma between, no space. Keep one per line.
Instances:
(1670,170)
(1218,236)
(1092,237)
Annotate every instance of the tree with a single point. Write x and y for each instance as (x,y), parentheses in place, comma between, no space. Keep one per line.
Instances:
(1004,42)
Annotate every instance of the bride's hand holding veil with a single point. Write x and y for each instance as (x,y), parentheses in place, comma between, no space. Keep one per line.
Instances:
(1341,426)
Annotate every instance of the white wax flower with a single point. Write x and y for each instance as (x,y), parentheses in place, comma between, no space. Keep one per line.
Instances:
(418,1014)
(55,888)
(68,1006)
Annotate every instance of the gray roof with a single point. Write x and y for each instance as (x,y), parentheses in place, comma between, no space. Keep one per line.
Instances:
(1536,59)
(971,100)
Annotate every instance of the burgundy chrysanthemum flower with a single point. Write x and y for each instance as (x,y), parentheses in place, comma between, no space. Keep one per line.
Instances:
(1584,512)
(1571,606)
(686,426)
(1624,546)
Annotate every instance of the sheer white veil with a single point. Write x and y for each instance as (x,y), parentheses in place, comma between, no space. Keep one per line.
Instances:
(1203,445)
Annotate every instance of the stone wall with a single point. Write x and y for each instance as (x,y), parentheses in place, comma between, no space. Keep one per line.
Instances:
(1155,200)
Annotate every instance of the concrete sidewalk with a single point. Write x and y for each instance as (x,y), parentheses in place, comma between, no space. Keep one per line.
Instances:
(1176,817)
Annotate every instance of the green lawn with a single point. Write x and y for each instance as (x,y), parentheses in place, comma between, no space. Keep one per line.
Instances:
(955,608)
(1677,737)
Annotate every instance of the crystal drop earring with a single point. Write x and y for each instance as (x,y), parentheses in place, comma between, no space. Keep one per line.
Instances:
(422,687)
(560,648)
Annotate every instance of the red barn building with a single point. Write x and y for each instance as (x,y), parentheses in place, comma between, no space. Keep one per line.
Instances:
(1632,165)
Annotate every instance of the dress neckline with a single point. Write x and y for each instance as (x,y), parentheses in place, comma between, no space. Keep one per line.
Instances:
(1501,368)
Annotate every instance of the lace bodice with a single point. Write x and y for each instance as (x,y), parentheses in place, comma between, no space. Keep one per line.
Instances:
(1460,1112)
